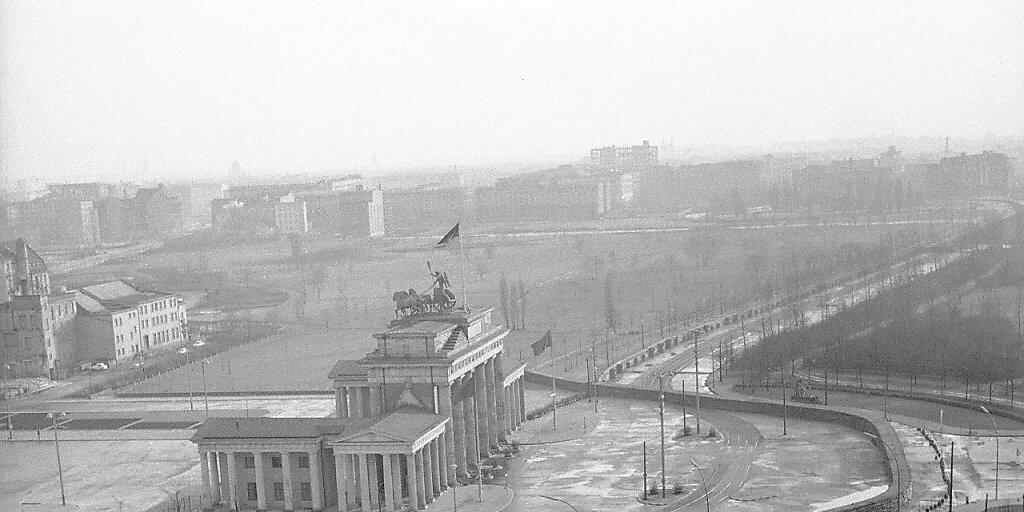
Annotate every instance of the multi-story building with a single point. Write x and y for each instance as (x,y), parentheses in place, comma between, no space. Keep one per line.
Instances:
(332,207)
(55,222)
(963,175)
(290,216)
(629,157)
(419,209)
(155,212)
(119,322)
(196,199)
(36,325)
(411,417)
(720,187)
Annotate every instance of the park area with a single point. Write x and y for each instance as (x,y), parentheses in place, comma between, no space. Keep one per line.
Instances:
(628,287)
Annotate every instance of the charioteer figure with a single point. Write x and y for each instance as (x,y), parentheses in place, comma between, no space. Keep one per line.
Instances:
(440,299)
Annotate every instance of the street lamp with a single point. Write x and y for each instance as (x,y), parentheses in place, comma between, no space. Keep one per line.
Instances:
(202,367)
(993,420)
(56,444)
(707,495)
(455,497)
(188,381)
(7,401)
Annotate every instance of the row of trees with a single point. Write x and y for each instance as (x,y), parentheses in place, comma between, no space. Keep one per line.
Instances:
(912,328)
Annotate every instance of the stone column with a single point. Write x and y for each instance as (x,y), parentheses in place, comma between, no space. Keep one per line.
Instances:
(421,479)
(514,392)
(428,469)
(261,481)
(339,401)
(480,401)
(444,394)
(389,483)
(314,479)
(472,442)
(204,464)
(364,481)
(396,484)
(289,486)
(367,404)
(502,403)
(225,493)
(412,480)
(371,468)
(215,478)
(445,462)
(341,476)
(522,401)
(435,459)
(232,482)
(459,426)
(492,427)
(375,399)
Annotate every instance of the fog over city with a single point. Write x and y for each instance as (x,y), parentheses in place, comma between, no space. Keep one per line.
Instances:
(148,90)
(742,256)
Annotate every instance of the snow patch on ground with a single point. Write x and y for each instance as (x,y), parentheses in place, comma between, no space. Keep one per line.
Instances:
(849,499)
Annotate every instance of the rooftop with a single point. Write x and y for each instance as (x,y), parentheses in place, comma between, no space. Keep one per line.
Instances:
(405,424)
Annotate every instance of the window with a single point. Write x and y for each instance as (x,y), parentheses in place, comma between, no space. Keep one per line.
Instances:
(305,492)
(303,460)
(275,461)
(252,491)
(278,491)
(250,461)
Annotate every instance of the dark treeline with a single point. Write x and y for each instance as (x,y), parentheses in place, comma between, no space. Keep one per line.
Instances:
(912,328)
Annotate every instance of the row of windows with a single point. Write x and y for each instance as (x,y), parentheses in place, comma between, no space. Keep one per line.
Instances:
(157,306)
(162,319)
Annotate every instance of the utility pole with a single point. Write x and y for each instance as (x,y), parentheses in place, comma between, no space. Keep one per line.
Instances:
(60,468)
(950,497)
(696,379)
(645,471)
(785,408)
(661,413)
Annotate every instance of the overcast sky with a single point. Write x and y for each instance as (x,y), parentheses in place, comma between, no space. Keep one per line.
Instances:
(93,89)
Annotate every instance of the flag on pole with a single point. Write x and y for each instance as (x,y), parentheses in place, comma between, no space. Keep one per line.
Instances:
(540,345)
(448,237)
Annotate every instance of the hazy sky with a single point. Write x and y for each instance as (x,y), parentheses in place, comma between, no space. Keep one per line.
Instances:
(95,88)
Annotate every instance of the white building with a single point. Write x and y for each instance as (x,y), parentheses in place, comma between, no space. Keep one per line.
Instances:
(118,322)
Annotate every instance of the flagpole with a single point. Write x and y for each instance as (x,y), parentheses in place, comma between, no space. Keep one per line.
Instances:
(465,277)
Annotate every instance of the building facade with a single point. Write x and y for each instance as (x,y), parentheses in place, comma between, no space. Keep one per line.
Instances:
(628,157)
(36,325)
(412,417)
(117,322)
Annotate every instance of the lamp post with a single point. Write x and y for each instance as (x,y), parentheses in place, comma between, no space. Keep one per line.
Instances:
(455,496)
(707,495)
(56,444)
(188,381)
(7,402)
(661,414)
(996,430)
(202,369)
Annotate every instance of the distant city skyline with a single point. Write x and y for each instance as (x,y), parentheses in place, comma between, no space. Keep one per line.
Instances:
(119,90)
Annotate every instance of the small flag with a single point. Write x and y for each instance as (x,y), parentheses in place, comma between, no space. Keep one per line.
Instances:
(451,235)
(540,345)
